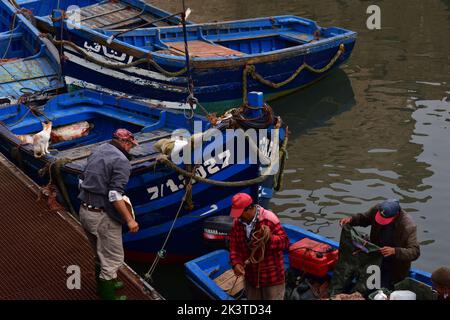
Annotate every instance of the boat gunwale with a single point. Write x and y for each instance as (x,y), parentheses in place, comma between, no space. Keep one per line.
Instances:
(221,61)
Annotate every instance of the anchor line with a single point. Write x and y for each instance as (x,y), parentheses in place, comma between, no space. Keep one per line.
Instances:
(162,252)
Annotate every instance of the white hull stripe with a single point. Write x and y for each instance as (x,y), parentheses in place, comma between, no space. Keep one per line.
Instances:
(119,75)
(165,104)
(134,70)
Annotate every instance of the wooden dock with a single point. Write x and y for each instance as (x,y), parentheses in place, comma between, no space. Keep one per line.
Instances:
(38,247)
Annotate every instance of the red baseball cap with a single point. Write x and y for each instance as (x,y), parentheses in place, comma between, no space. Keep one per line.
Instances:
(239,202)
(125,135)
(387,212)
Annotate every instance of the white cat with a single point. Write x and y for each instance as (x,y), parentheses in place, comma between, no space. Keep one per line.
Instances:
(41,140)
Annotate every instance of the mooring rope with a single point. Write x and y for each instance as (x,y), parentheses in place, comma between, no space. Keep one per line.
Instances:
(231,184)
(251,70)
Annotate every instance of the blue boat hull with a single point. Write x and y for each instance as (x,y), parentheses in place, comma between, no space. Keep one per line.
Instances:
(277,48)
(28,63)
(217,262)
(216,88)
(155,190)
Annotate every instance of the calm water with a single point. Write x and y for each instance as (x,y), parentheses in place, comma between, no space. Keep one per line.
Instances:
(378,128)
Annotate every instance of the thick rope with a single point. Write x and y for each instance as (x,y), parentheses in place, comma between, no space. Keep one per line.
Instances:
(251,70)
(148,59)
(231,184)
(283,157)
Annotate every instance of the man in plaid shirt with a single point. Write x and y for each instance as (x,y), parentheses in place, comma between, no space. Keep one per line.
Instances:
(264,280)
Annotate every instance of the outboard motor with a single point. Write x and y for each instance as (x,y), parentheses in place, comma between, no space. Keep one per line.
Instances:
(216,231)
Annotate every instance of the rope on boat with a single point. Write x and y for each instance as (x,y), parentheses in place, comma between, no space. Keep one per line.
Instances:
(259,240)
(11,27)
(278,181)
(147,59)
(251,70)
(231,184)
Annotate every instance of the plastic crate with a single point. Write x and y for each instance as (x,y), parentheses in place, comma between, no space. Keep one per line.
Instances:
(422,290)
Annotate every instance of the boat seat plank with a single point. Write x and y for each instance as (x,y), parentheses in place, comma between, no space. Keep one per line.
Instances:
(309,38)
(202,49)
(229,282)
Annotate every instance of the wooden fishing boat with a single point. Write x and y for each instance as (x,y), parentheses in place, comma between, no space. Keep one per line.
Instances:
(156,189)
(28,63)
(101,14)
(202,271)
(274,55)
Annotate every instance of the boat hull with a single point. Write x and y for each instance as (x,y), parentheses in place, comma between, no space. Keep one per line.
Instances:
(217,88)
(155,216)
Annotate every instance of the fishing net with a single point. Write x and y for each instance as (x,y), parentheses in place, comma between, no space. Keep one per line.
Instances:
(356,255)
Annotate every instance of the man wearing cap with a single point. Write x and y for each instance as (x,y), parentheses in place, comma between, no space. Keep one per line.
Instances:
(395,232)
(441,282)
(103,209)
(264,271)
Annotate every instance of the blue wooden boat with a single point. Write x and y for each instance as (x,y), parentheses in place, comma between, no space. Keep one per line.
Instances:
(202,271)
(101,14)
(28,64)
(274,55)
(155,189)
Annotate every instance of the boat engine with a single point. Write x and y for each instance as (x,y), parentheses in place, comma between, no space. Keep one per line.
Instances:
(216,231)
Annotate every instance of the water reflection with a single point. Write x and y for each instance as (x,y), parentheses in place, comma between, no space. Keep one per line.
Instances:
(377,128)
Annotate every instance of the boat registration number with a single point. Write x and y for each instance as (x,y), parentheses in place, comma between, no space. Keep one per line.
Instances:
(208,168)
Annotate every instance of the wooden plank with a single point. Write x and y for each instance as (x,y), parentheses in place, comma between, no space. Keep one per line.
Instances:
(229,282)
(202,49)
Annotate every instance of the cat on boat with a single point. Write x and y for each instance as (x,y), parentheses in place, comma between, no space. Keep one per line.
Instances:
(41,140)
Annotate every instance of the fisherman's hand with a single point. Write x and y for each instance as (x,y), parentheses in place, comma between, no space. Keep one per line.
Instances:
(239,270)
(345,221)
(133,226)
(387,251)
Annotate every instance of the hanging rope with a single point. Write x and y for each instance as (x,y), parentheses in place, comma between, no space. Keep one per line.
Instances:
(259,241)
(251,70)
(278,181)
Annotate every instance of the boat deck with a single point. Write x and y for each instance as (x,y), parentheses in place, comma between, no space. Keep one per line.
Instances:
(38,246)
(21,76)
(202,49)
(114,15)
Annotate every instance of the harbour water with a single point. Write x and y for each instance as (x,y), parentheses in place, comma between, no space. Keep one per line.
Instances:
(378,128)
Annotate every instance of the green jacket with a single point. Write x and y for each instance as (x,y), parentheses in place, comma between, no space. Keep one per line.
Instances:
(407,248)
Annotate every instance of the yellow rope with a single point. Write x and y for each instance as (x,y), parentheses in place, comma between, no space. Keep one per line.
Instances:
(251,70)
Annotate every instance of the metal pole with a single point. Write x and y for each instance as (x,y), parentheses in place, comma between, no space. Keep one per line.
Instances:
(186,51)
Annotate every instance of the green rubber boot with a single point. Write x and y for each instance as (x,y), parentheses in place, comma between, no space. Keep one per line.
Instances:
(106,290)
(117,284)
